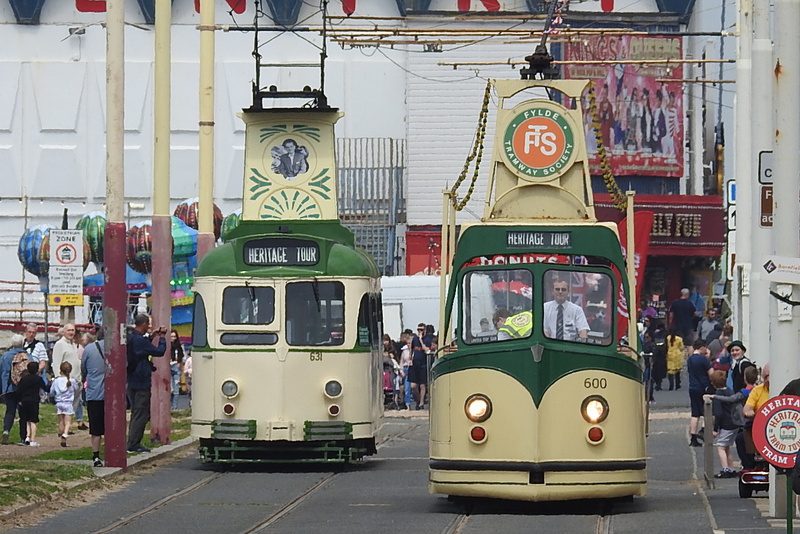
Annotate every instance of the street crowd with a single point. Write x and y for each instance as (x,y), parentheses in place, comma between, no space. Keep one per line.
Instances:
(405,368)
(72,374)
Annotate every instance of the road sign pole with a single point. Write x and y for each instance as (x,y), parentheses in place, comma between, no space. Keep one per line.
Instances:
(786,76)
(740,291)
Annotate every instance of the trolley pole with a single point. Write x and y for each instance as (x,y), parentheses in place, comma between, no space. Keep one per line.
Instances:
(114,293)
(761,127)
(786,75)
(205,238)
(160,419)
(741,273)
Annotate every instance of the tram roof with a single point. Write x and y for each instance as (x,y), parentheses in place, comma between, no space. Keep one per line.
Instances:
(587,239)
(339,255)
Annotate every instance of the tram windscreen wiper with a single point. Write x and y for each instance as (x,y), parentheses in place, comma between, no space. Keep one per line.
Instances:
(315,287)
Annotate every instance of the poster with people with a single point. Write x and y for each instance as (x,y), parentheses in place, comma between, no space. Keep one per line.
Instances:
(640,112)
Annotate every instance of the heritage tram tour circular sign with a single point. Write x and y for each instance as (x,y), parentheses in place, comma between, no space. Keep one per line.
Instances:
(776,431)
(539,140)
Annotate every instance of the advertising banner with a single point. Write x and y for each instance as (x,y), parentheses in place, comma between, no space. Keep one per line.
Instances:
(640,114)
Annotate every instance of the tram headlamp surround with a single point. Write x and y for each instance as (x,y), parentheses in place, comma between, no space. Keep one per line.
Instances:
(333,389)
(230,388)
(594,409)
(478,408)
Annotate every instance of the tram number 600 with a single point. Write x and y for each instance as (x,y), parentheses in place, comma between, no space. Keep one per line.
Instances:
(315,356)
(595,383)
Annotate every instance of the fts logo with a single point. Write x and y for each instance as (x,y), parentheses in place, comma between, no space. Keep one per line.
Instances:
(539,141)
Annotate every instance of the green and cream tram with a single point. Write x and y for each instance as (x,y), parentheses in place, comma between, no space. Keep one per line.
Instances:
(287,323)
(545,403)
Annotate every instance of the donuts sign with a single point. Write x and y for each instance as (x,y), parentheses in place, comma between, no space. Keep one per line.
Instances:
(776,431)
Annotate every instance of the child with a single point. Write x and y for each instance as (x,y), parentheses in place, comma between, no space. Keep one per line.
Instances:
(28,388)
(63,391)
(737,400)
(728,419)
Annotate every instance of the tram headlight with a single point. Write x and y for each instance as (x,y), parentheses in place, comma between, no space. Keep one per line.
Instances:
(230,388)
(333,389)
(478,408)
(594,409)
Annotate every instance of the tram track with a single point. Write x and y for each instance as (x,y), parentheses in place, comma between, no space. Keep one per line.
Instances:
(261,525)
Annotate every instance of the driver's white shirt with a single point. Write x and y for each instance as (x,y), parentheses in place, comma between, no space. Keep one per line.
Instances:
(574,320)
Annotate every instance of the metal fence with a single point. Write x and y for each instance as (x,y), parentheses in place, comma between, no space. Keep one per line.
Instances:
(371,194)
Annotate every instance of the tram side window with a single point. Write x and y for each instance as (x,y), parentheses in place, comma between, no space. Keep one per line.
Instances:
(578,306)
(248,305)
(315,313)
(363,322)
(199,322)
(497,305)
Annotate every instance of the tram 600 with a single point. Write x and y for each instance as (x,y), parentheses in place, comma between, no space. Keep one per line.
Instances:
(544,403)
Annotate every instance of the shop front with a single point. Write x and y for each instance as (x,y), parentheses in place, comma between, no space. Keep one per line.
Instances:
(686,244)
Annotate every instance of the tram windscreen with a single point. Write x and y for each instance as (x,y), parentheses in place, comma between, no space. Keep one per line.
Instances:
(578,306)
(497,305)
(248,305)
(315,313)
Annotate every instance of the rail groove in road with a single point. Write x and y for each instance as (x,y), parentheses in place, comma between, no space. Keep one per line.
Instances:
(458,524)
(294,503)
(158,504)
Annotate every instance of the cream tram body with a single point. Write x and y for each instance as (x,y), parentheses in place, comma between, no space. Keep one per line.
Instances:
(286,359)
(537,417)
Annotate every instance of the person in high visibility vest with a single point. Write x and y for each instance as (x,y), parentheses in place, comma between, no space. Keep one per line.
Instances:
(517,326)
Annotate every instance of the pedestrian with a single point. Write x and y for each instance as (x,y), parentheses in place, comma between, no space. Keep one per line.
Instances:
(37,352)
(699,367)
(175,365)
(728,419)
(9,390)
(406,357)
(140,371)
(681,317)
(676,353)
(659,355)
(739,398)
(708,325)
(28,390)
(187,371)
(67,349)
(420,345)
(758,396)
(717,347)
(741,362)
(63,392)
(93,373)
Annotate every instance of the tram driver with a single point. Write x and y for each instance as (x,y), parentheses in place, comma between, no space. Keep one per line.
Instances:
(564,319)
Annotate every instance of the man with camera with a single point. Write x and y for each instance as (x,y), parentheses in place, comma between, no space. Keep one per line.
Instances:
(140,371)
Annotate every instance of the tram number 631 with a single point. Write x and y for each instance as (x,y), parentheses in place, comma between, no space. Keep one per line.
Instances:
(315,356)
(595,383)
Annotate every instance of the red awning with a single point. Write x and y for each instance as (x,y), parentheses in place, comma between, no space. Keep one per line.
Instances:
(683,225)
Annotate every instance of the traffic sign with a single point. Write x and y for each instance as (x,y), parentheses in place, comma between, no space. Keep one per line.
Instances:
(730,191)
(731,217)
(765,165)
(765,219)
(782,270)
(730,255)
(66,264)
(776,430)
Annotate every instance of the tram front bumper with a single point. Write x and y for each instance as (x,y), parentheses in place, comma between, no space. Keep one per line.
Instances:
(538,485)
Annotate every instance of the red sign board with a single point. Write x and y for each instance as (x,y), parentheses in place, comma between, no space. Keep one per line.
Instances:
(776,430)
(423,252)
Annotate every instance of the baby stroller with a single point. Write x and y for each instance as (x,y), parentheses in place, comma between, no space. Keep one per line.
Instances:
(389,402)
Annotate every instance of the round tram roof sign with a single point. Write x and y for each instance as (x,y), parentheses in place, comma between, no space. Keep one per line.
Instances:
(776,431)
(539,140)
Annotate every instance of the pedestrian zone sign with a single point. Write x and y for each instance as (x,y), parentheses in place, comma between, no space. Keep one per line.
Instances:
(66,268)
(776,431)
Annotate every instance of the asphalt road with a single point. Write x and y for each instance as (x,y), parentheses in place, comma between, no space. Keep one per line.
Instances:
(388,493)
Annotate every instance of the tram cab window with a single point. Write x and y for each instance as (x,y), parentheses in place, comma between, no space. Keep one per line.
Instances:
(579,306)
(248,305)
(315,313)
(497,305)
(199,322)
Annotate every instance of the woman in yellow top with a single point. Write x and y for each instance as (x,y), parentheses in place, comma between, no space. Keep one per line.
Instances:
(675,359)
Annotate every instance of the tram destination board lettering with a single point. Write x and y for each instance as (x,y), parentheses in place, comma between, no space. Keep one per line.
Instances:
(273,252)
(547,240)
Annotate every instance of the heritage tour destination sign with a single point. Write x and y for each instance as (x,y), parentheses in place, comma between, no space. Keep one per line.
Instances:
(539,141)
(548,240)
(776,431)
(273,252)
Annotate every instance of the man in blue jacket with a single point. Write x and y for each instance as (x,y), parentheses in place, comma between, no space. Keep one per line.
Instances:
(9,390)
(140,371)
